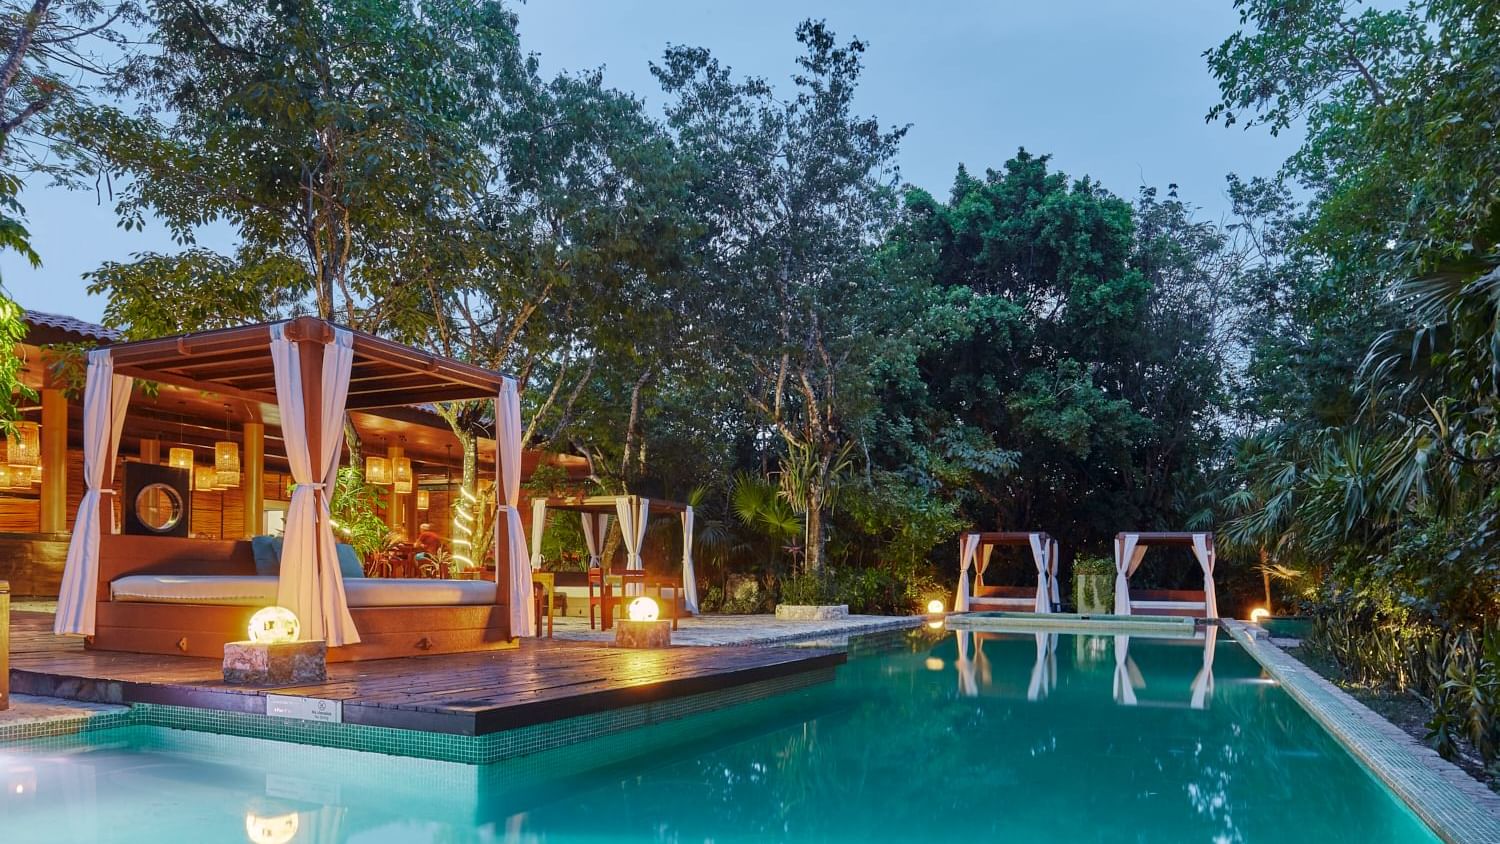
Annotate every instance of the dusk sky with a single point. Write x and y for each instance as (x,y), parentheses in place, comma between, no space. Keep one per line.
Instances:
(1115,91)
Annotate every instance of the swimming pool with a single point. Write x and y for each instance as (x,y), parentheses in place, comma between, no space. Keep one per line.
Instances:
(926,736)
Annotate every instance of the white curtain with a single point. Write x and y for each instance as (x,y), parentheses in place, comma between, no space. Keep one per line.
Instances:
(968,675)
(1052,564)
(1044,668)
(1203,683)
(967,546)
(538,525)
(1126,674)
(595,530)
(982,563)
(105,397)
(1128,555)
(1039,556)
(513,550)
(633,529)
(1205,555)
(310,584)
(689,579)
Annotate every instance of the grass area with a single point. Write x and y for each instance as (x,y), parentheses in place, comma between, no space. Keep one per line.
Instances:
(1402,708)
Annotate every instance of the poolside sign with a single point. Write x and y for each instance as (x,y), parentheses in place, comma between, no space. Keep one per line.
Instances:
(305,708)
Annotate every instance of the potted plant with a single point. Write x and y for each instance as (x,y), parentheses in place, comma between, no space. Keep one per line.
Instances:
(808,597)
(1094,585)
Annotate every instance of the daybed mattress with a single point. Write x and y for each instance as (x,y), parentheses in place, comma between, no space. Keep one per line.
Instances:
(260,591)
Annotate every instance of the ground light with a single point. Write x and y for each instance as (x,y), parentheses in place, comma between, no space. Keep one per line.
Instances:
(642,626)
(274,625)
(936,606)
(1259,614)
(275,829)
(643,609)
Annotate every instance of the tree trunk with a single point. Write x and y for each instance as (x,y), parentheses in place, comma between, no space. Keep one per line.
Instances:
(817,494)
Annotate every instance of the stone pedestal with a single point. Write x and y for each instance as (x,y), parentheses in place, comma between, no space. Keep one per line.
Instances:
(811,612)
(643,634)
(280,664)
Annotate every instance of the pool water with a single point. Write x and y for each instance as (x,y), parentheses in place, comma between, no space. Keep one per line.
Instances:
(927,736)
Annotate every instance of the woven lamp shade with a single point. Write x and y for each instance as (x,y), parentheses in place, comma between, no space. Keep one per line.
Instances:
(377,471)
(227,464)
(180,458)
(401,476)
(24,446)
(205,479)
(424,500)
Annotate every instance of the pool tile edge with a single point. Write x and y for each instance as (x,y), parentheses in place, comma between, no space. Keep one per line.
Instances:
(1459,809)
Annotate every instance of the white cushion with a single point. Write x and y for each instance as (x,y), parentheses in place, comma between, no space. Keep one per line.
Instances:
(259,591)
(1169,605)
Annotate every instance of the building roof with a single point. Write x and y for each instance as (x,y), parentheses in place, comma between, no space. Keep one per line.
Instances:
(57,328)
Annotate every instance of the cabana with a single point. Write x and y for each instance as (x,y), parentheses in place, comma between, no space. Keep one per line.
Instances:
(975,673)
(974,553)
(633,511)
(1130,549)
(172,595)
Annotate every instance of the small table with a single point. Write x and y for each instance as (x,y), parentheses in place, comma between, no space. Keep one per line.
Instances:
(548,581)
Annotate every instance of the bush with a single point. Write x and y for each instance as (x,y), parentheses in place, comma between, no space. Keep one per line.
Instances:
(808,588)
(1093,583)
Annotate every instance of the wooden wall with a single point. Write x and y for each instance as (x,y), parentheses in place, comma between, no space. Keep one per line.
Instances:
(20,510)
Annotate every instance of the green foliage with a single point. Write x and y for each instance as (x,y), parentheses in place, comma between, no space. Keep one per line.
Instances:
(12,332)
(355,508)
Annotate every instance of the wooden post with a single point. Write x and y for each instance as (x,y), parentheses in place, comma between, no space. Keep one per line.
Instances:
(254,467)
(150,451)
(54,498)
(395,505)
(4,646)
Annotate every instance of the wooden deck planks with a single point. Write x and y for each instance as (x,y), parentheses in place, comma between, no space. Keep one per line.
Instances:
(467,694)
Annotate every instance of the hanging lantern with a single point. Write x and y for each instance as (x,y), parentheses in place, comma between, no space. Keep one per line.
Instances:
(226,458)
(227,463)
(424,500)
(205,479)
(401,475)
(180,458)
(24,448)
(20,476)
(377,471)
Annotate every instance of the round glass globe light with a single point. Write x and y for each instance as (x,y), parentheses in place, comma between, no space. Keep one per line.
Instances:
(274,625)
(935,606)
(643,609)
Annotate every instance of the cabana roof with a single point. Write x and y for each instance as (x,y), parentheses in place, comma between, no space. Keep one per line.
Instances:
(237,362)
(1009,537)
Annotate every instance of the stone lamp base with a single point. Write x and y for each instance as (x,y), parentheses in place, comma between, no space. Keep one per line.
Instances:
(643,634)
(279,664)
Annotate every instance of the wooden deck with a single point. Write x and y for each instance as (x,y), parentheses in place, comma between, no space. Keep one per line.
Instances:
(462,694)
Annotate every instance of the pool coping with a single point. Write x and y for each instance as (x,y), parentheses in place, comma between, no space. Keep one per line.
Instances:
(1140,625)
(1455,806)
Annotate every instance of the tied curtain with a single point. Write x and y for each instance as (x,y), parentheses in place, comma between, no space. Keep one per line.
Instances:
(968,674)
(105,397)
(633,516)
(538,524)
(689,579)
(595,529)
(508,516)
(1205,554)
(1052,564)
(1039,555)
(310,583)
(967,549)
(1128,555)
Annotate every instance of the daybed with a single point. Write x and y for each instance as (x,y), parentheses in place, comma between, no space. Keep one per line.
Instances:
(974,553)
(1130,550)
(309,372)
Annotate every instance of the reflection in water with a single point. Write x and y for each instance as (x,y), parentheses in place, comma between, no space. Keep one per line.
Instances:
(1030,746)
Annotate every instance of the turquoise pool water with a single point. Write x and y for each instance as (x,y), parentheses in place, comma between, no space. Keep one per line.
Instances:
(923,737)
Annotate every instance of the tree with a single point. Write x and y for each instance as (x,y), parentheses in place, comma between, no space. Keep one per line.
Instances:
(795,196)
(345,141)
(1071,343)
(50,61)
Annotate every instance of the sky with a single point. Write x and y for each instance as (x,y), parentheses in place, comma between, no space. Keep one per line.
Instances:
(1113,90)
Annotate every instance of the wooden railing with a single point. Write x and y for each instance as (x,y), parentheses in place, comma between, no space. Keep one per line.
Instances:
(4,645)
